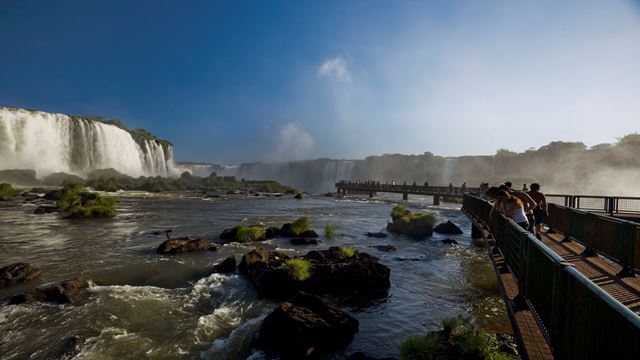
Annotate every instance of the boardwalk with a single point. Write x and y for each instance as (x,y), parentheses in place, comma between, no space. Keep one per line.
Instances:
(374,187)
(573,293)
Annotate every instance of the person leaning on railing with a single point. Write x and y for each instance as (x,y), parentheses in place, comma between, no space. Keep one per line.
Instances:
(511,207)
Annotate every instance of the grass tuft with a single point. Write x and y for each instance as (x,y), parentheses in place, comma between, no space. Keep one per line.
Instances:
(298,269)
(347,252)
(330,231)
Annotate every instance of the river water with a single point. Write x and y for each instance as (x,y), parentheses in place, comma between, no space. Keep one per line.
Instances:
(144,305)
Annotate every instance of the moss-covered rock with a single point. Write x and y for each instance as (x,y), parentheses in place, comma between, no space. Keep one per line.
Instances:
(243,234)
(7,192)
(411,223)
(77,202)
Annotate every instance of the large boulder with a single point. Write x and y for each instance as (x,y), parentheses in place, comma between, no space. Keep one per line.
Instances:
(309,234)
(414,229)
(377,234)
(447,228)
(306,328)
(72,291)
(18,273)
(227,265)
(332,271)
(183,245)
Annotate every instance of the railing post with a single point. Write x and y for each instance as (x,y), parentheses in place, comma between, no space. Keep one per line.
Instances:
(627,240)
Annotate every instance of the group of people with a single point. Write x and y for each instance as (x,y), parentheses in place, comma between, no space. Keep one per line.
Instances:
(527,208)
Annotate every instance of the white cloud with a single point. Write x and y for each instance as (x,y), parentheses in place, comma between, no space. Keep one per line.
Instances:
(293,143)
(335,68)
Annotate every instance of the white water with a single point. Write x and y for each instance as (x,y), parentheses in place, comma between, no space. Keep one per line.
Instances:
(51,143)
(447,171)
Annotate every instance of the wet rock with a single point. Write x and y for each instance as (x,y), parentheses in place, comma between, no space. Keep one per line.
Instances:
(299,196)
(331,272)
(385,248)
(309,234)
(363,356)
(67,349)
(377,234)
(410,229)
(72,291)
(286,231)
(272,232)
(229,234)
(305,241)
(306,328)
(227,265)
(449,241)
(447,228)
(18,273)
(183,245)
(46,210)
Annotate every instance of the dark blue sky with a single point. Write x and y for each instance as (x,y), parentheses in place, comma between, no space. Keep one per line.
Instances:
(232,81)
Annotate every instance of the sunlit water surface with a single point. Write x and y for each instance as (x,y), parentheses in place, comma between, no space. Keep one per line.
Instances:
(145,305)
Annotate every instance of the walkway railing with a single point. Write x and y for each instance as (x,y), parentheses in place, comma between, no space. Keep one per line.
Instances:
(400,188)
(582,321)
(612,205)
(617,239)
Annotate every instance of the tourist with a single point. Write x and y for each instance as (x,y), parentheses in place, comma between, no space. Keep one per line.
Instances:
(426,184)
(542,210)
(512,207)
(528,203)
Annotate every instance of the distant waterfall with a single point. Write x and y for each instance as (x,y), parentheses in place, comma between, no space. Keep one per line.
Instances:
(335,171)
(51,143)
(447,171)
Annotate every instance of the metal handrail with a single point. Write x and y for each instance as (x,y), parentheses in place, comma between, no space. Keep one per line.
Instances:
(582,320)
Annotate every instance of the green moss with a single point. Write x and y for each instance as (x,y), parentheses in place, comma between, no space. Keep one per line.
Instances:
(299,196)
(330,230)
(347,252)
(299,226)
(80,203)
(7,192)
(399,211)
(249,233)
(298,269)
(457,339)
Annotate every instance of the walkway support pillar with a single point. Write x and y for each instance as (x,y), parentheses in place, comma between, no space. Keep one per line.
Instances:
(475,232)
(372,194)
(436,200)
(405,196)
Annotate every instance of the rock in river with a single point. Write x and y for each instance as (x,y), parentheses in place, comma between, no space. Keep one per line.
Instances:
(305,241)
(182,245)
(306,328)
(18,272)
(332,271)
(227,265)
(447,228)
(72,291)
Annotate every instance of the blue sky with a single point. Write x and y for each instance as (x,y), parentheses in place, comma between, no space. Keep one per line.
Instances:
(241,81)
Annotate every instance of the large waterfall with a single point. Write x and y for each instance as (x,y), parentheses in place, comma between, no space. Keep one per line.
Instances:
(51,143)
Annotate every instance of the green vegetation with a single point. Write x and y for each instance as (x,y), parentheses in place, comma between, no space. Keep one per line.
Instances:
(298,269)
(249,233)
(457,340)
(62,179)
(299,226)
(299,196)
(400,214)
(330,230)
(7,192)
(186,182)
(77,202)
(347,252)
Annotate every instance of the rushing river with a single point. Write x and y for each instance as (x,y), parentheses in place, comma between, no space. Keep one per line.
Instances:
(144,305)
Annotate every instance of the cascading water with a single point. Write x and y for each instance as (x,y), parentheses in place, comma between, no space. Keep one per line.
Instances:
(447,171)
(335,171)
(51,143)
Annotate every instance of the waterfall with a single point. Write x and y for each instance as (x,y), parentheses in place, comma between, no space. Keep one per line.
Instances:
(335,171)
(51,143)
(447,171)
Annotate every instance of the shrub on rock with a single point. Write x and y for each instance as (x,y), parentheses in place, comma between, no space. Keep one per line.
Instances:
(298,269)
(411,223)
(77,202)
